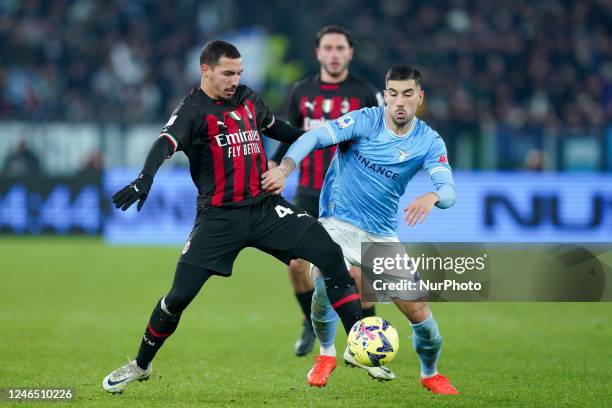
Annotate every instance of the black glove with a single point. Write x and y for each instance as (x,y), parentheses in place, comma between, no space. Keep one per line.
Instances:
(137,190)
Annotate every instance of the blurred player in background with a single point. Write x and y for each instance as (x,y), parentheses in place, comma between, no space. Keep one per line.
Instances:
(218,126)
(22,162)
(314,100)
(387,146)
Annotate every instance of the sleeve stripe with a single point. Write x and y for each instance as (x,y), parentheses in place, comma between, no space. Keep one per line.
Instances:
(272,122)
(437,169)
(171,139)
(331,132)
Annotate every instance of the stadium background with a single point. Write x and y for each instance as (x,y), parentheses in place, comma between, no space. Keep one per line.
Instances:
(520,91)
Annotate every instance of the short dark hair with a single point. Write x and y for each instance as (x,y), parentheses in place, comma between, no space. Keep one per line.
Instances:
(334,29)
(403,73)
(214,50)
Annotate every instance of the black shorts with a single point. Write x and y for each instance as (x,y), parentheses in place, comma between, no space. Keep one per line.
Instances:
(308,202)
(272,225)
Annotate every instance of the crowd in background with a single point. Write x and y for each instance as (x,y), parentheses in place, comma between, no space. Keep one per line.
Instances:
(543,66)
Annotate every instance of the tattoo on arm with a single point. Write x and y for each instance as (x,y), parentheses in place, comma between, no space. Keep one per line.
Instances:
(287,165)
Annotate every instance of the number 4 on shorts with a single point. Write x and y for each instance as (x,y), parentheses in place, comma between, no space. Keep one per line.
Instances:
(282,211)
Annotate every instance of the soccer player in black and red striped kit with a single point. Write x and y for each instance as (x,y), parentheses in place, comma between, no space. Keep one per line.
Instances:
(219,126)
(314,100)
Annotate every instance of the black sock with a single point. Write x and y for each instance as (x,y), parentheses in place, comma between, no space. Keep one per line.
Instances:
(369,311)
(305,301)
(345,302)
(161,326)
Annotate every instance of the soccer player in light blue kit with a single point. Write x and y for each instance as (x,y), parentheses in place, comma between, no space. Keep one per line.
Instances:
(382,148)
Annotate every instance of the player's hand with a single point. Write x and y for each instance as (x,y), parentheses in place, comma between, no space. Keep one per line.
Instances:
(274,179)
(137,190)
(420,208)
(272,164)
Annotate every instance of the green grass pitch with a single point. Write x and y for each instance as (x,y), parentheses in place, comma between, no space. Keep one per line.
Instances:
(72,309)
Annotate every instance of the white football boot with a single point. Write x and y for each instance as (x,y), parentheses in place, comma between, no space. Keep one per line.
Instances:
(381,373)
(117,381)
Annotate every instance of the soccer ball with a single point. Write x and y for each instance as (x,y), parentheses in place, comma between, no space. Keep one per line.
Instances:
(373,342)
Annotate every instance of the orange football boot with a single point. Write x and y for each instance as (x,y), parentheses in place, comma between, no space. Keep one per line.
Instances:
(321,370)
(439,384)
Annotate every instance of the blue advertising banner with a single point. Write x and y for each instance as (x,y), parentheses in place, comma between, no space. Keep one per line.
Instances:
(518,207)
(51,205)
(491,207)
(166,218)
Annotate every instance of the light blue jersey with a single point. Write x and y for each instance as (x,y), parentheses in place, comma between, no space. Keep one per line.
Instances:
(368,176)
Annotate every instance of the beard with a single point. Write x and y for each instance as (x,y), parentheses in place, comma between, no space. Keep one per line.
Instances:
(401,122)
(339,71)
(225,97)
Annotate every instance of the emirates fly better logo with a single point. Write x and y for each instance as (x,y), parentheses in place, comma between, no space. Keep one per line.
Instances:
(239,144)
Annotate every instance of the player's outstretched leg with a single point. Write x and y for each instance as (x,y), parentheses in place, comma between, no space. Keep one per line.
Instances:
(324,320)
(380,373)
(299,276)
(165,317)
(367,308)
(117,381)
(427,343)
(316,246)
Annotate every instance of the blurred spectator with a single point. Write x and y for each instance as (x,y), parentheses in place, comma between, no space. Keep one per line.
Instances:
(94,163)
(21,162)
(534,160)
(521,64)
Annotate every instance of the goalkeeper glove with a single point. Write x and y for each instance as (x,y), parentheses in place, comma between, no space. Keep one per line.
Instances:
(137,190)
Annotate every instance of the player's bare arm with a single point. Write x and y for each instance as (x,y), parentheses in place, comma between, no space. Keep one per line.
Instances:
(274,179)
(420,208)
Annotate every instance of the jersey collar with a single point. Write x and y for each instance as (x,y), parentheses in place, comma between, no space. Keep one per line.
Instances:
(215,102)
(320,82)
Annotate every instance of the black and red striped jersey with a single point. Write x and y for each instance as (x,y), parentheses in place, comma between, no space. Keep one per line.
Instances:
(223,142)
(311,104)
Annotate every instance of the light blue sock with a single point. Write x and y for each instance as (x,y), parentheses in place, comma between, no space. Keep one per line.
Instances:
(427,343)
(324,317)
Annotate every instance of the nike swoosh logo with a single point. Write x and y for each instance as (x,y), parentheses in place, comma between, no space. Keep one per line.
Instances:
(302,215)
(113,383)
